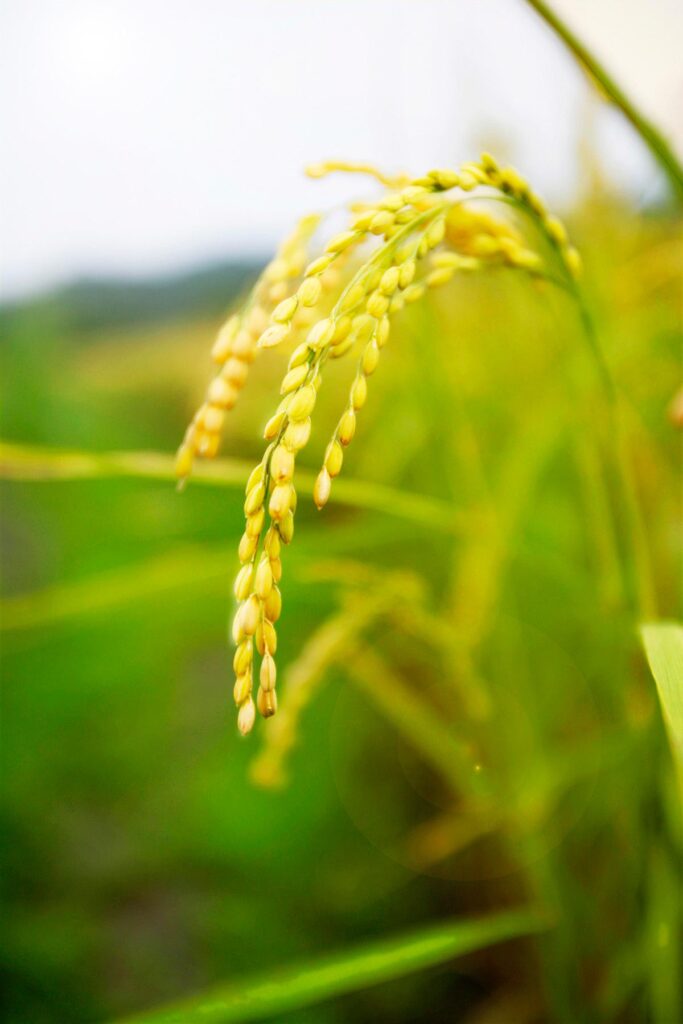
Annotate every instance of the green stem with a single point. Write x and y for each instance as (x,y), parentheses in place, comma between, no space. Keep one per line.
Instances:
(643,583)
(657,144)
(26,463)
(642,588)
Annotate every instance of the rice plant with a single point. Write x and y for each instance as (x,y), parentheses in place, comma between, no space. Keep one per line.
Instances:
(484,767)
(342,302)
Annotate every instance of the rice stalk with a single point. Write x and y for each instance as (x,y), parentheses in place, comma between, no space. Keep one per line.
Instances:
(422,234)
(609,87)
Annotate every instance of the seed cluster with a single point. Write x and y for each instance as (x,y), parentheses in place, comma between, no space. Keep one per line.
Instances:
(235,347)
(342,300)
(510,182)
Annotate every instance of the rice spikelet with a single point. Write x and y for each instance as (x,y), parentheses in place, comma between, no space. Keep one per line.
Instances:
(419,233)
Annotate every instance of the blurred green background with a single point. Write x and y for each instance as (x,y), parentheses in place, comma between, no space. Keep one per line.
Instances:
(481,730)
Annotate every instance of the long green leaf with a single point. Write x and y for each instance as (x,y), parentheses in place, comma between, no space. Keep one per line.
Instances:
(663,642)
(651,136)
(291,988)
(20,462)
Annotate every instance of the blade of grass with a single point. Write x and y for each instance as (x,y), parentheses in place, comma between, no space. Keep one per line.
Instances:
(663,642)
(19,462)
(657,144)
(292,988)
(26,462)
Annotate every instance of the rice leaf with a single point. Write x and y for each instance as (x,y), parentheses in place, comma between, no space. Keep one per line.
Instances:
(663,642)
(291,988)
(598,74)
(24,462)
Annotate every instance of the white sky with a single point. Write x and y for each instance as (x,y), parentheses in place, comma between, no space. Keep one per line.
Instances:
(142,135)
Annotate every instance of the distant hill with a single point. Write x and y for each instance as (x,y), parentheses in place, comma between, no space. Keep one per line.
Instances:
(89,305)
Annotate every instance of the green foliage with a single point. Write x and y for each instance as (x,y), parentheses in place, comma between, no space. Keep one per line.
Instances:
(663,643)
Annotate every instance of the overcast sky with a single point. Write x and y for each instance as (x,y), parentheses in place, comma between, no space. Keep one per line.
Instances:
(140,136)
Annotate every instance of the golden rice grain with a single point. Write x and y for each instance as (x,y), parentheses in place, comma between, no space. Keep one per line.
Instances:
(339,301)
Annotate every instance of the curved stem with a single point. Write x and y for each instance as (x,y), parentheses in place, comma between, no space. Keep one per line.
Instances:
(642,587)
(657,144)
